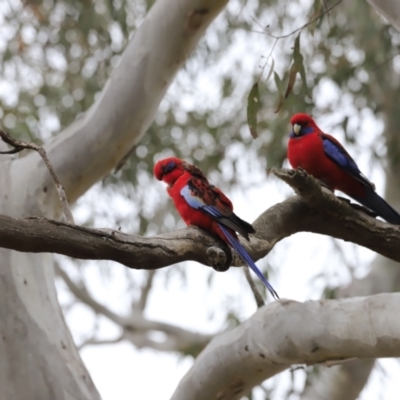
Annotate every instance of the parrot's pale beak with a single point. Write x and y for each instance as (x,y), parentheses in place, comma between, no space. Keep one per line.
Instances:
(296,128)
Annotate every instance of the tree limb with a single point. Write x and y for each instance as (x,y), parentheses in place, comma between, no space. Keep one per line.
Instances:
(256,293)
(20,145)
(287,332)
(318,210)
(137,328)
(94,144)
(390,9)
(38,235)
(145,291)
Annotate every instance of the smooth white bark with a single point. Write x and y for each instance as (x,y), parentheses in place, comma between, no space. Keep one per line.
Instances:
(92,146)
(37,350)
(347,381)
(389,9)
(286,333)
(38,359)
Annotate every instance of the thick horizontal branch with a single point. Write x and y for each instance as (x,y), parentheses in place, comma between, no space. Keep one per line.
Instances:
(40,235)
(316,209)
(286,332)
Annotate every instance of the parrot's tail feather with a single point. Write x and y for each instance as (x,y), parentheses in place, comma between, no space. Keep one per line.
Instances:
(247,259)
(373,201)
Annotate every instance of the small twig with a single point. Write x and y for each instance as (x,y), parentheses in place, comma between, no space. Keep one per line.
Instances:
(266,62)
(20,145)
(257,295)
(384,62)
(241,8)
(306,24)
(81,293)
(333,363)
(277,38)
(146,290)
(95,342)
(325,6)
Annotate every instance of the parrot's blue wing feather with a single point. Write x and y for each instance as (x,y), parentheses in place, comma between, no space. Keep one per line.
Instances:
(213,202)
(338,154)
(193,201)
(248,260)
(197,203)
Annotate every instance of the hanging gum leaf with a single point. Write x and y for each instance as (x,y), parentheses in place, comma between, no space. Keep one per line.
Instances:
(279,86)
(317,10)
(292,79)
(271,70)
(253,104)
(298,62)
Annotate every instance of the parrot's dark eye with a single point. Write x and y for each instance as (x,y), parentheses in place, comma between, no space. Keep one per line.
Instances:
(169,167)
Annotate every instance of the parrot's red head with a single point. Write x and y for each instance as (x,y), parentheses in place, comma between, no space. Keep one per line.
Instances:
(302,124)
(169,169)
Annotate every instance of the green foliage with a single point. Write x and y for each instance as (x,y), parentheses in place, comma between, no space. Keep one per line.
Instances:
(253,104)
(57,56)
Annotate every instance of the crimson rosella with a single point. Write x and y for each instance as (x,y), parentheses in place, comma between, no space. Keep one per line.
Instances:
(322,156)
(203,205)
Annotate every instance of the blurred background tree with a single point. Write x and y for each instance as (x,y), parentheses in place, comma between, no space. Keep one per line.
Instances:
(342,67)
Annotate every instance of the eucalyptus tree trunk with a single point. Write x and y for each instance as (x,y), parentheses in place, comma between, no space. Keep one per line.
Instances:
(38,359)
(389,9)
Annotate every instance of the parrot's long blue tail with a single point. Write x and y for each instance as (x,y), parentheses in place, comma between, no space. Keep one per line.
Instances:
(374,202)
(248,260)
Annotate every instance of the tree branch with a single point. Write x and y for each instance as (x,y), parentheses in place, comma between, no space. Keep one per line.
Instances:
(287,332)
(20,145)
(97,342)
(318,210)
(256,293)
(390,9)
(94,144)
(145,291)
(136,328)
(40,235)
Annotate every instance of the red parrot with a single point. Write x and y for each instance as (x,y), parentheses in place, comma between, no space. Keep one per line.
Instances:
(323,157)
(203,205)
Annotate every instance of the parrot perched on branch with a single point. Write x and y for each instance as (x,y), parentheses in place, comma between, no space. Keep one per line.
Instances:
(203,205)
(323,157)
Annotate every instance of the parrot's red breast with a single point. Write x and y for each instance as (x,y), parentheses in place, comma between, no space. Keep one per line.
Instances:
(203,205)
(184,174)
(308,153)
